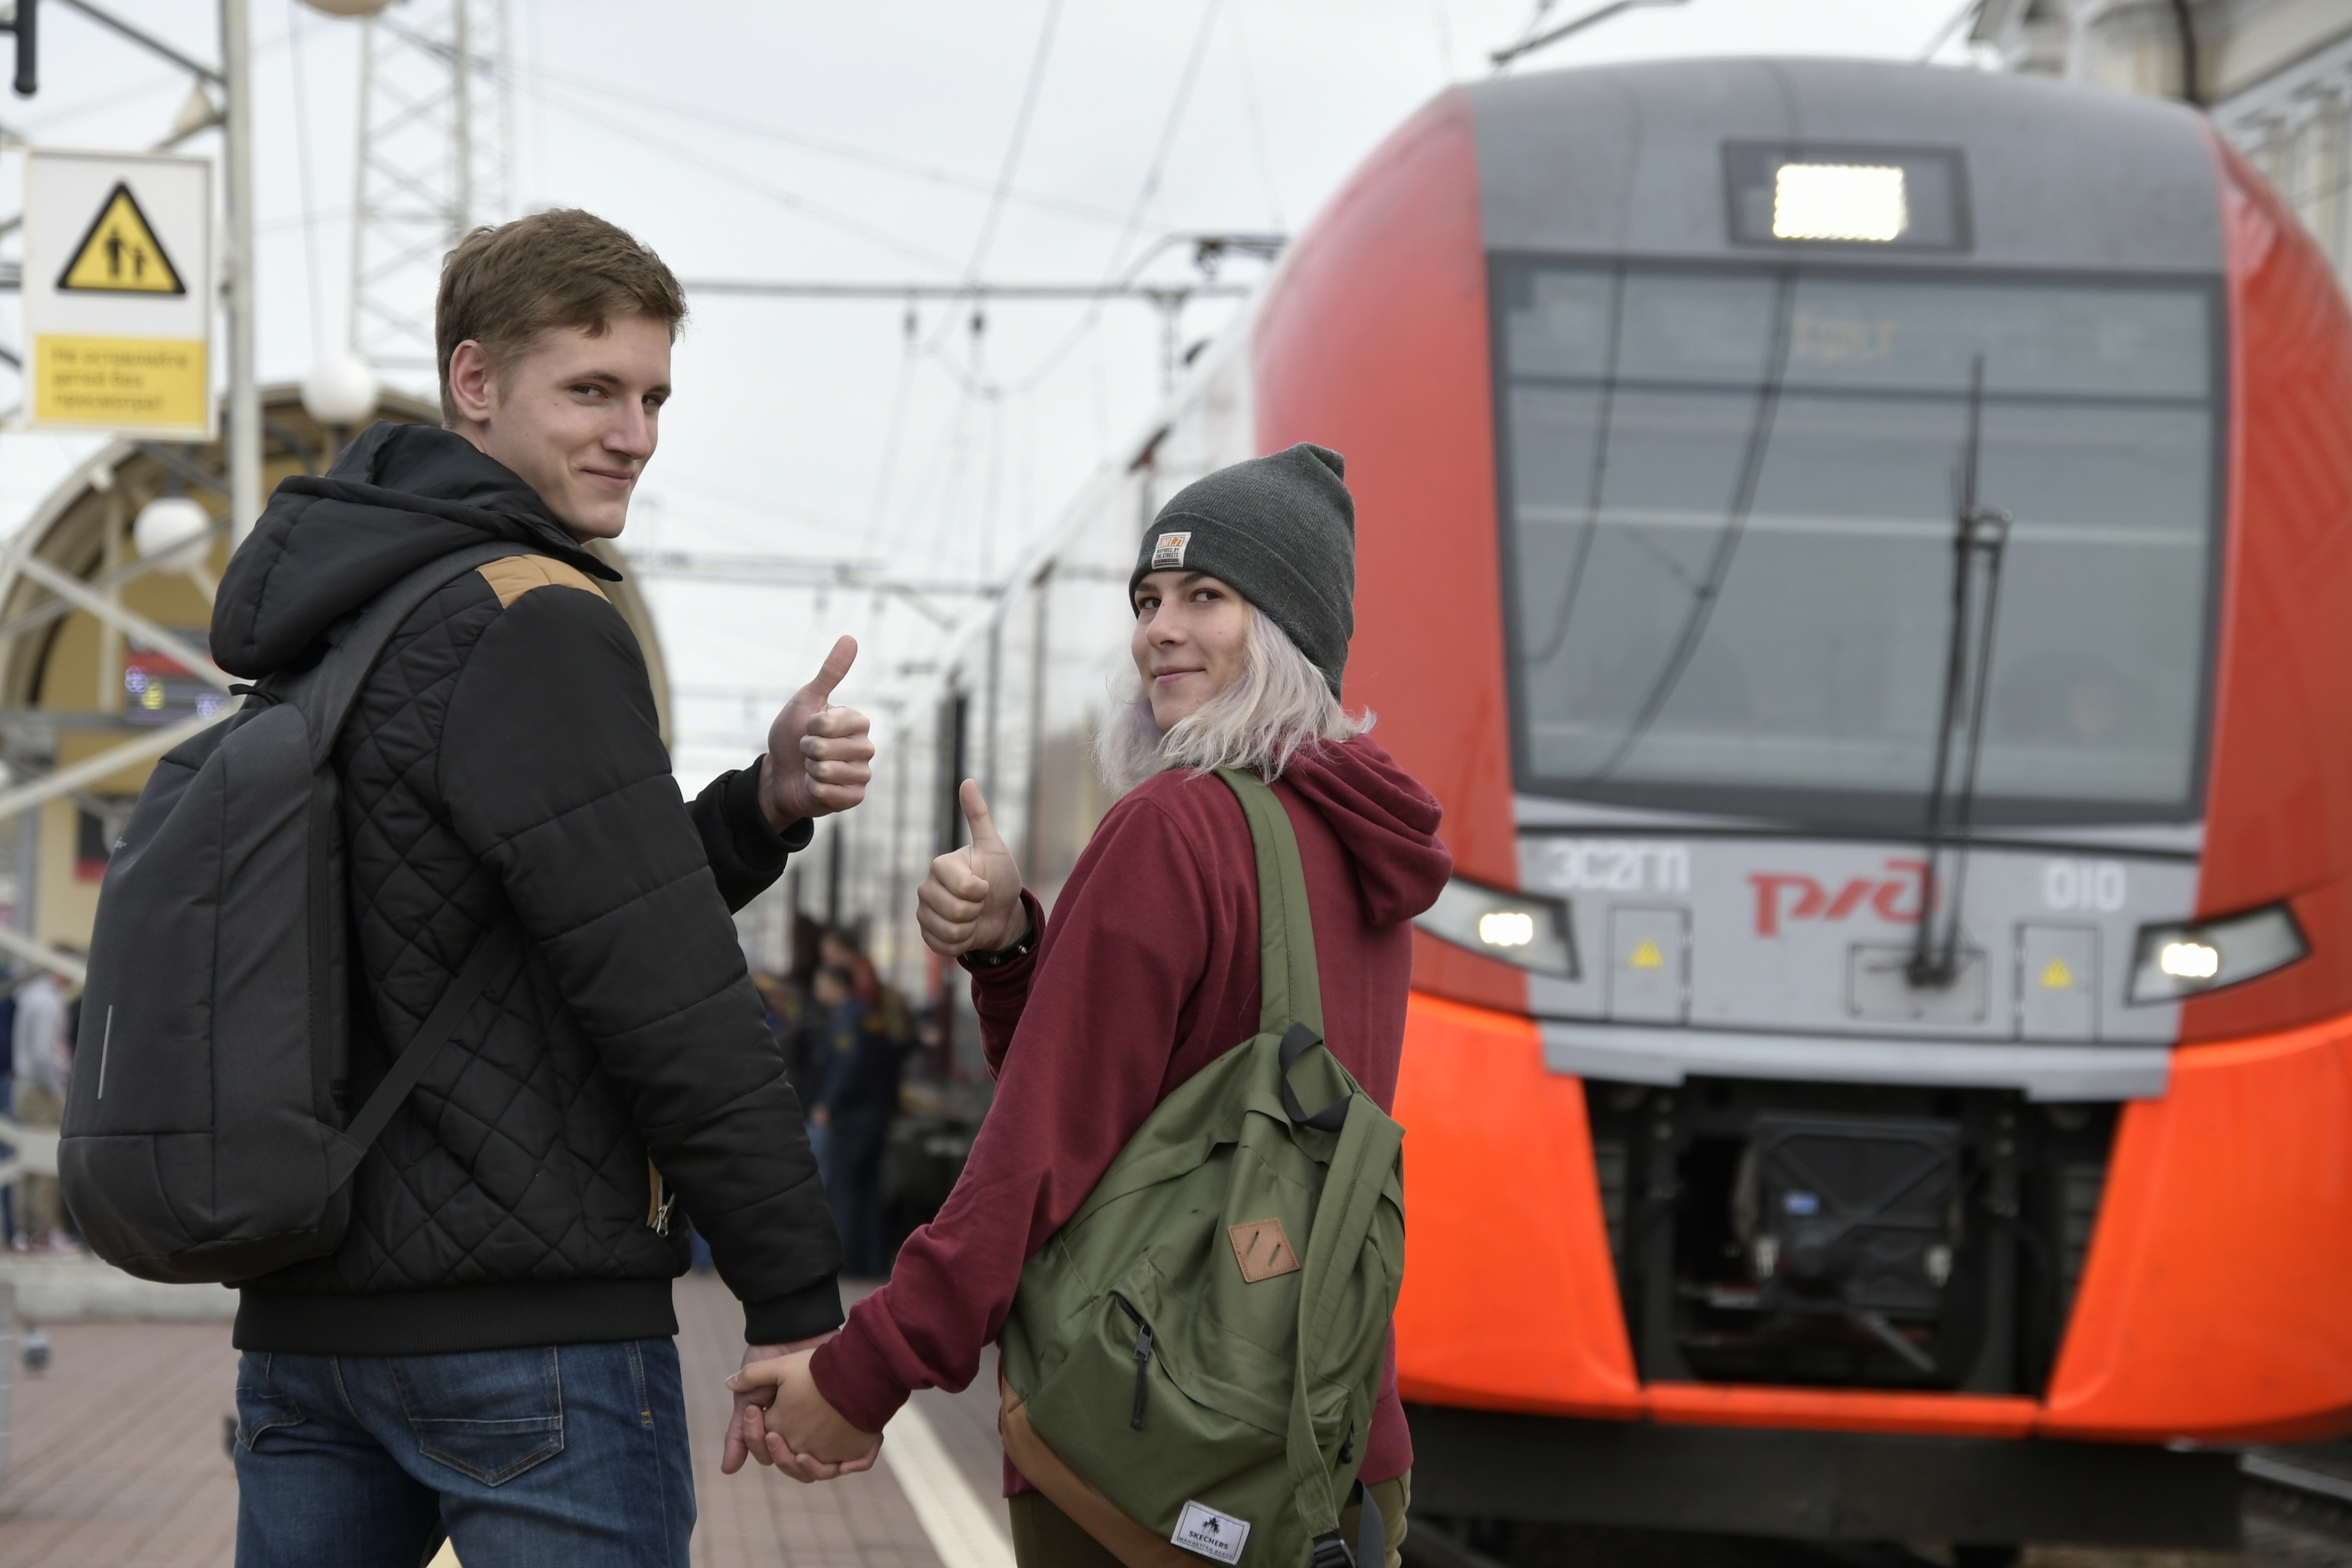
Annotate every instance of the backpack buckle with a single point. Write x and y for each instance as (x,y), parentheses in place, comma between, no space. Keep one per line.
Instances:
(1331,1552)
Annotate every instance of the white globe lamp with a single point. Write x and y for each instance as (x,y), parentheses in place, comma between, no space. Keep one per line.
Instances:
(348,7)
(340,391)
(169,526)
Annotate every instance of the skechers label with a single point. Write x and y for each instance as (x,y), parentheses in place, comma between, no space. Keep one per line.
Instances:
(1170,552)
(1203,1529)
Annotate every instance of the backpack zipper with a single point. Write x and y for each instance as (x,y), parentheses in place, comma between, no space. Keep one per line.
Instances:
(1142,1357)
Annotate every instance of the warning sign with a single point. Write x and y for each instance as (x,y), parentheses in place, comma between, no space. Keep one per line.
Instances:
(121,253)
(2056,977)
(119,292)
(1647,955)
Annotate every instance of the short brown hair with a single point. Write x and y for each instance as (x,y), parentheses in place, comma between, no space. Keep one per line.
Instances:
(505,288)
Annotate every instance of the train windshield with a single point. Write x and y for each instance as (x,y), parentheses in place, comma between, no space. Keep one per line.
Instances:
(1730,501)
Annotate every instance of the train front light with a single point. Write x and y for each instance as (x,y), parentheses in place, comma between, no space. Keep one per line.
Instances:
(1839,201)
(1901,198)
(1528,931)
(2186,958)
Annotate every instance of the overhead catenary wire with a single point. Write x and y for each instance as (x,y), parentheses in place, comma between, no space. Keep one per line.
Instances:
(974,381)
(1260,143)
(1446,70)
(893,511)
(897,429)
(1959,21)
(831,148)
(1152,175)
(790,201)
(1022,119)
(959,458)
(934,474)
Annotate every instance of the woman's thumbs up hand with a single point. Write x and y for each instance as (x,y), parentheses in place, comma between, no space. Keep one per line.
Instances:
(971,900)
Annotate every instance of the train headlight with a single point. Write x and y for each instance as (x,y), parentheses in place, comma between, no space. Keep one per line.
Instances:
(1839,201)
(2188,960)
(1900,198)
(2183,960)
(1521,929)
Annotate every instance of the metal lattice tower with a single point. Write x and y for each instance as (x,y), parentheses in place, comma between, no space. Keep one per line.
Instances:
(435,126)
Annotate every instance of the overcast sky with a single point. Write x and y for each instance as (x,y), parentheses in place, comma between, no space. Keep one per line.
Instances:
(807,142)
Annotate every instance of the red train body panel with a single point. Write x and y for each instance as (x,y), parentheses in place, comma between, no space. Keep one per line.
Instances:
(2279,822)
(1399,247)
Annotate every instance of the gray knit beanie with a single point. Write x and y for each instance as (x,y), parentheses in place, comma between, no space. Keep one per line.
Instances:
(1281,531)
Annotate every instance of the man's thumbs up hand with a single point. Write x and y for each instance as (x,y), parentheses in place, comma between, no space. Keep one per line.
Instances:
(820,757)
(971,900)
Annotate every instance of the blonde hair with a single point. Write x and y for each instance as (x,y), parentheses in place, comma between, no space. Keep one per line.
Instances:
(1277,707)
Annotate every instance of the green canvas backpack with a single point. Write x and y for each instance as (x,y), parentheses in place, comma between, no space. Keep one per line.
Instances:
(1191,1362)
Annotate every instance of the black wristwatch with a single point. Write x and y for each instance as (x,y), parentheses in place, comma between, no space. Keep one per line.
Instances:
(1000,957)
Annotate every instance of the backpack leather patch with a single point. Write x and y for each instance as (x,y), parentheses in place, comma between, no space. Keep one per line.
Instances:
(1263,1249)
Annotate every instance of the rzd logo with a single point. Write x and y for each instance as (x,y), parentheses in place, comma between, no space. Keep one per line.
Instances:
(1793,895)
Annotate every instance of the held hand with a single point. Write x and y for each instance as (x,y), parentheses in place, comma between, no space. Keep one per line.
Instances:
(804,1435)
(746,1439)
(819,756)
(971,899)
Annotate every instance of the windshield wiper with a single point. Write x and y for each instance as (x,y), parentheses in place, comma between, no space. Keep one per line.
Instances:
(1981,531)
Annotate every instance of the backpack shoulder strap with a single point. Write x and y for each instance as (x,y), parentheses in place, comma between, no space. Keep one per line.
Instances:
(492,954)
(1289,985)
(1367,1153)
(328,696)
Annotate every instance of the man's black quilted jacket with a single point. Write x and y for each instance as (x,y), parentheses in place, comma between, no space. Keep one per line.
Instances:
(503,764)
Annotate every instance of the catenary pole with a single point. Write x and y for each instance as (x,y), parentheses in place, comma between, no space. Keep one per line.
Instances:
(244,432)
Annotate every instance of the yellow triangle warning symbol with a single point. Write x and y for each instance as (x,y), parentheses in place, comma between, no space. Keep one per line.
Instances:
(1647,955)
(2057,976)
(121,253)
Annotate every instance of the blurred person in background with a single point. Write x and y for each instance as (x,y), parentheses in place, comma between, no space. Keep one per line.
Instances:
(840,950)
(853,1108)
(896,1022)
(835,1019)
(8,1097)
(774,1001)
(40,1064)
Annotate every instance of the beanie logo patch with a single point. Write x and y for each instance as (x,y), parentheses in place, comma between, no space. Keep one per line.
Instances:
(1169,551)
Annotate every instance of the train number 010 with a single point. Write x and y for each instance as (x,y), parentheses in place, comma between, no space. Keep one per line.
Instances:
(2084,884)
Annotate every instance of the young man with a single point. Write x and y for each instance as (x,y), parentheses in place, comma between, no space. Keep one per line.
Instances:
(491,1349)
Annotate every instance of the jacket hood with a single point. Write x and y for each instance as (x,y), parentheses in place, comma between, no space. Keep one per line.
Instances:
(1386,819)
(399,495)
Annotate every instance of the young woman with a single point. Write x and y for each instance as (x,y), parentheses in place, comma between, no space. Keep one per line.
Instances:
(1149,969)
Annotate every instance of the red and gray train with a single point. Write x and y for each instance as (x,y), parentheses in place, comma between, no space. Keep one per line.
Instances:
(1863,554)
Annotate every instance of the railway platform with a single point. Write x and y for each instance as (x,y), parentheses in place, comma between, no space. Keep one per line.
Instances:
(118,1458)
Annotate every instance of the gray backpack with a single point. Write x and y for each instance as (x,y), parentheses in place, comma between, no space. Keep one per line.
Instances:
(216,1150)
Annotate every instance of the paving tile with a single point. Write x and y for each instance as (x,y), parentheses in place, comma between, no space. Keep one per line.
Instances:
(117,1450)
(118,1459)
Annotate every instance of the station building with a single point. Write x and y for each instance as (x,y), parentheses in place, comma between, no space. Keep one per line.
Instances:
(2274,75)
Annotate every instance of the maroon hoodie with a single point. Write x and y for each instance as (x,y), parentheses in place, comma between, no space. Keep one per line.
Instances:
(1147,973)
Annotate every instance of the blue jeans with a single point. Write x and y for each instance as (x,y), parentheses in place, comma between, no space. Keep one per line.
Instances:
(570,1455)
